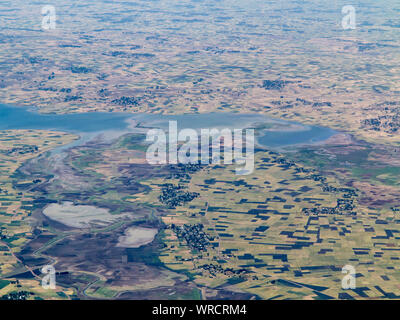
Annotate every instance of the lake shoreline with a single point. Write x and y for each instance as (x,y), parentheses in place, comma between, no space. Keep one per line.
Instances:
(271,133)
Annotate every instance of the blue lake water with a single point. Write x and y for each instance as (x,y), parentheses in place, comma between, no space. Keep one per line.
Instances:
(24,118)
(278,133)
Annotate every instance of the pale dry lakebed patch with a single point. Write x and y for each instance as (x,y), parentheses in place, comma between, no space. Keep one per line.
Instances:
(136,237)
(80,216)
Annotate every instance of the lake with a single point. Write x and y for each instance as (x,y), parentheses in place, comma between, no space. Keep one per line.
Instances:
(272,133)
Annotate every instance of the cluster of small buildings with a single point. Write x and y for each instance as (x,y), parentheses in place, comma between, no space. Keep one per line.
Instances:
(194,236)
(183,171)
(126,101)
(214,269)
(174,196)
(20,295)
(344,206)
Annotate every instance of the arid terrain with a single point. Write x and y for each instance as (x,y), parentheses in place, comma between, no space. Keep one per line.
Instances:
(116,227)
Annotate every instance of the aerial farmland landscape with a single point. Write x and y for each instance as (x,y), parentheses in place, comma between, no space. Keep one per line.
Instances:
(200,150)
